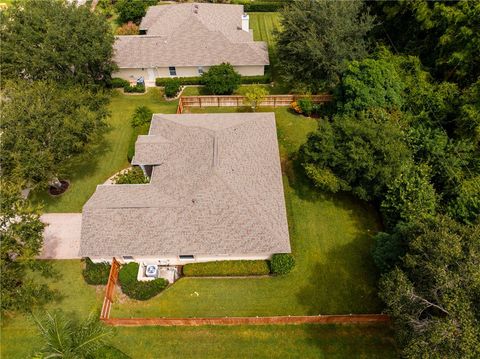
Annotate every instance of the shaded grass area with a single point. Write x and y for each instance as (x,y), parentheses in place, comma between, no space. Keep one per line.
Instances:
(108,157)
(331,237)
(302,341)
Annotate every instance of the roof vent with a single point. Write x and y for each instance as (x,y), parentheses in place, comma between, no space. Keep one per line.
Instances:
(195,9)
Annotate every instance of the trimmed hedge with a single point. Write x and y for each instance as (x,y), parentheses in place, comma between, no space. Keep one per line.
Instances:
(96,273)
(245,80)
(162,81)
(227,268)
(282,263)
(117,82)
(263,7)
(136,289)
(134,89)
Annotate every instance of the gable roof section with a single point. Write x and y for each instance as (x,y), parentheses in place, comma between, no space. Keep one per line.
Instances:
(177,36)
(217,191)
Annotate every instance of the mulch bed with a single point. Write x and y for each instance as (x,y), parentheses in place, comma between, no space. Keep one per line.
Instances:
(54,191)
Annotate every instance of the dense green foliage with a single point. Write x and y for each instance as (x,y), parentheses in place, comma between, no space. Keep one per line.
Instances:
(57,41)
(446,35)
(138,88)
(136,289)
(172,87)
(227,268)
(117,82)
(254,95)
(198,80)
(132,10)
(142,116)
(282,263)
(317,39)
(433,293)
(96,273)
(221,79)
(64,337)
(21,240)
(134,175)
(43,125)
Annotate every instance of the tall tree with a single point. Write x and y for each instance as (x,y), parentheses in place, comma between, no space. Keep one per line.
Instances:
(318,37)
(21,234)
(43,125)
(434,294)
(55,40)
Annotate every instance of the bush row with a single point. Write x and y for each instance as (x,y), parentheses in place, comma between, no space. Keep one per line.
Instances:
(136,289)
(96,273)
(117,82)
(263,7)
(281,263)
(134,89)
(227,268)
(245,80)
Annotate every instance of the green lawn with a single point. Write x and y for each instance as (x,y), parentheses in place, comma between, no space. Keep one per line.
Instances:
(331,238)
(108,157)
(263,24)
(200,90)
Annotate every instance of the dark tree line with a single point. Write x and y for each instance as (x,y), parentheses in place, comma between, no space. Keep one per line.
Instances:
(405,136)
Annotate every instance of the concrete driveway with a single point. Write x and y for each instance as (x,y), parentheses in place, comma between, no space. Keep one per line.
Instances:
(61,236)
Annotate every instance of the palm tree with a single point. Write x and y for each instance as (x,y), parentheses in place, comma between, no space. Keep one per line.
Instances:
(68,338)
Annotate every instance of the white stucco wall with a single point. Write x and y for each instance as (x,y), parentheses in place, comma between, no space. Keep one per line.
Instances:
(175,260)
(150,74)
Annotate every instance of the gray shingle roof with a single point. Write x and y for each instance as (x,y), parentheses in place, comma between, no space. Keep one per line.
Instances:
(216,191)
(177,36)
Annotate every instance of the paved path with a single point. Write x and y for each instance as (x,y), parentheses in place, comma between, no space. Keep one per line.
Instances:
(61,236)
(320,319)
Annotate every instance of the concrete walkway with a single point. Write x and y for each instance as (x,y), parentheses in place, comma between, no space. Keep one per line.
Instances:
(61,236)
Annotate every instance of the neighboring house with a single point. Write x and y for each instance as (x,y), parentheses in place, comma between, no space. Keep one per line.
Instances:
(184,40)
(215,193)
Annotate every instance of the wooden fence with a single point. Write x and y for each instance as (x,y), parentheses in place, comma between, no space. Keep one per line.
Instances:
(277,320)
(110,290)
(186,102)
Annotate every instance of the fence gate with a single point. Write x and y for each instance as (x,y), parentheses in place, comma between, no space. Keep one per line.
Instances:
(110,290)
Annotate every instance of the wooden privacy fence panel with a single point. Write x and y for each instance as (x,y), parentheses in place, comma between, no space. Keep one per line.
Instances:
(318,319)
(110,290)
(186,102)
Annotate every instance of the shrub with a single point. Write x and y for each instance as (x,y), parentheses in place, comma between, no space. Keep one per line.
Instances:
(306,105)
(96,273)
(221,79)
(282,263)
(134,175)
(172,87)
(263,7)
(136,289)
(130,28)
(117,82)
(141,116)
(196,80)
(227,268)
(132,10)
(134,89)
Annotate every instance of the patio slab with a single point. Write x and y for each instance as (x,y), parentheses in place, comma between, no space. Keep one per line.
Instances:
(61,236)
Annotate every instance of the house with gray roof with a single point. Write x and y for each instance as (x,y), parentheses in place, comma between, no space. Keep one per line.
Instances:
(215,193)
(182,40)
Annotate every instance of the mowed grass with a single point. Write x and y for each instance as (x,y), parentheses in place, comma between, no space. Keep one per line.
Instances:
(331,238)
(108,157)
(263,25)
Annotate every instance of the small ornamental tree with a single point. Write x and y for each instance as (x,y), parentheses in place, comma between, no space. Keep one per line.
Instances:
(255,95)
(221,79)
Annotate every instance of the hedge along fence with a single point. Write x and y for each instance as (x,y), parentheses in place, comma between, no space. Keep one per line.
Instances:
(197,80)
(227,268)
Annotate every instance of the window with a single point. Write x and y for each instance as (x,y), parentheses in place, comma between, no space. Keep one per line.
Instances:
(172,70)
(200,70)
(186,256)
(127,258)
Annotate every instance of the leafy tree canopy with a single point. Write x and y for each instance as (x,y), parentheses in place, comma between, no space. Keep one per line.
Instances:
(132,10)
(433,294)
(318,37)
(221,79)
(43,125)
(21,239)
(57,41)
